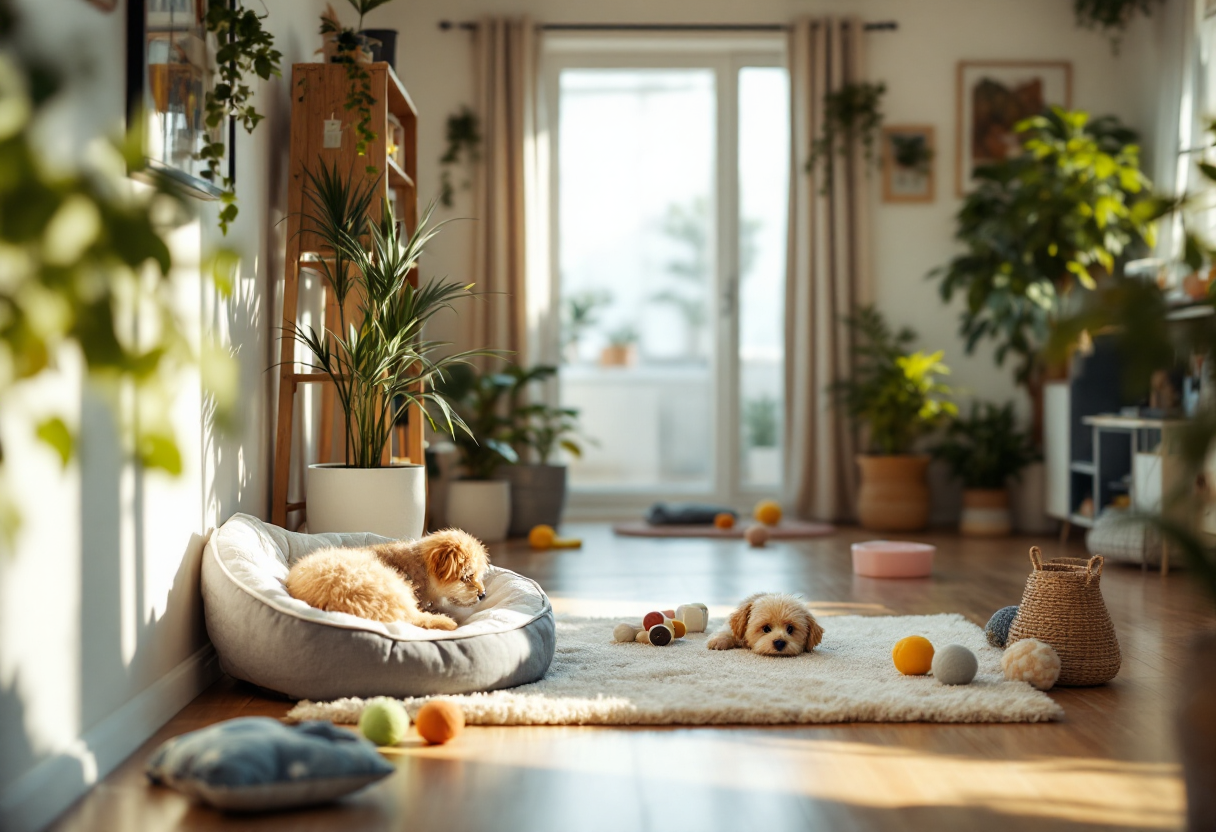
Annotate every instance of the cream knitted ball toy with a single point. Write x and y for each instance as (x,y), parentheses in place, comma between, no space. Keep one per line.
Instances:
(1031,660)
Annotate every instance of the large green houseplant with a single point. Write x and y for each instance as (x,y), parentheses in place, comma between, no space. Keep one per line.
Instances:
(1064,211)
(539,432)
(985,450)
(378,358)
(895,393)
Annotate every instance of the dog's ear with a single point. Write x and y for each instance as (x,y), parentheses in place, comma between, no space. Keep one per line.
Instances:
(738,619)
(814,633)
(444,555)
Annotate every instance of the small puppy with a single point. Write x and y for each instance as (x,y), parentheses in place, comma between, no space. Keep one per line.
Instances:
(398,581)
(770,624)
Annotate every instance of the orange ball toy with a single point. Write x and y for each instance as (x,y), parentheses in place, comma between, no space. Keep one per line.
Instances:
(725,520)
(768,512)
(439,721)
(913,655)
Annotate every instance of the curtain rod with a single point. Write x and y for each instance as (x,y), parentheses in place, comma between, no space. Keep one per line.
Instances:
(877,26)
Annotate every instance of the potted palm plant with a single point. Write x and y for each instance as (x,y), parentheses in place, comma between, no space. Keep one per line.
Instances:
(377,359)
(477,501)
(895,394)
(985,450)
(538,488)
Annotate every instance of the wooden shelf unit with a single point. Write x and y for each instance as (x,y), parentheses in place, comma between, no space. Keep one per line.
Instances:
(319,93)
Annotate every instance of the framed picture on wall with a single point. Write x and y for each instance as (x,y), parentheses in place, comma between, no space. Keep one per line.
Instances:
(993,96)
(907,163)
(170,57)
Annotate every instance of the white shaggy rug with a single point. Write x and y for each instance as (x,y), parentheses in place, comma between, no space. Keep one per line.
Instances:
(848,678)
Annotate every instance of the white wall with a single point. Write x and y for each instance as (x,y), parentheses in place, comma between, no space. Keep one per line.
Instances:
(917,62)
(101,631)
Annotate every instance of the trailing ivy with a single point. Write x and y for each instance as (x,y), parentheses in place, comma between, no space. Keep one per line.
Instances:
(1111,17)
(464,141)
(349,48)
(851,115)
(245,49)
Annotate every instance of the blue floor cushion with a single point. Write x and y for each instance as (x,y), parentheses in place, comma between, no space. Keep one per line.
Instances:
(257,763)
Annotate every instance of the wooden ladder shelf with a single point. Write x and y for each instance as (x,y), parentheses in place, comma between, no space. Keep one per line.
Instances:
(319,93)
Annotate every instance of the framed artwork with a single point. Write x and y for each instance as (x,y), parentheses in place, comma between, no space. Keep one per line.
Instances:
(170,57)
(908,155)
(993,96)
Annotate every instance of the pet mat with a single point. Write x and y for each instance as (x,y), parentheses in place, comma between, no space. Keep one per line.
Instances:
(848,678)
(786,530)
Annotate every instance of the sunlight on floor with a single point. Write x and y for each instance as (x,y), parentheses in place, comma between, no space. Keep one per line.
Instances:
(1106,793)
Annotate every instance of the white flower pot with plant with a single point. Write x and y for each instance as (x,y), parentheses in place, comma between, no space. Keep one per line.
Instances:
(477,502)
(896,395)
(377,359)
(986,450)
(539,430)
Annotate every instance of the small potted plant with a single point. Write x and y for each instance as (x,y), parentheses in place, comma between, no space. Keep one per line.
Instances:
(985,450)
(376,358)
(895,394)
(760,424)
(477,502)
(538,430)
(622,349)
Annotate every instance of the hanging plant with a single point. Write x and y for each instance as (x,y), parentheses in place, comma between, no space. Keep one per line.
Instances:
(911,151)
(1111,17)
(245,50)
(851,116)
(464,142)
(347,46)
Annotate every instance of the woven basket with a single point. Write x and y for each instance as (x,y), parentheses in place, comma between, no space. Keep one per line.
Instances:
(1062,605)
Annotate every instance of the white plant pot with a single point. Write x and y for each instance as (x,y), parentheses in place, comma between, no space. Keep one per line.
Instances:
(480,507)
(386,501)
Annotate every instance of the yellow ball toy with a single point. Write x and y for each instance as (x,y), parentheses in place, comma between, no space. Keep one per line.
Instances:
(768,512)
(545,537)
(913,655)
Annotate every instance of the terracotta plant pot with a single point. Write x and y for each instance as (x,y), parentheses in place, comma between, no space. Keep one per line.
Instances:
(1197,732)
(894,496)
(619,355)
(985,513)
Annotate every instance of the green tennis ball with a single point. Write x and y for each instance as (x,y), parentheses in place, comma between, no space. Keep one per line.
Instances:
(384,721)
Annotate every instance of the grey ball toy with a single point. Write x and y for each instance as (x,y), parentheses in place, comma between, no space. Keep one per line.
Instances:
(997,630)
(954,664)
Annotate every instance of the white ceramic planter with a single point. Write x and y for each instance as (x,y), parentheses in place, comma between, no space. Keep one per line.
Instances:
(480,507)
(386,501)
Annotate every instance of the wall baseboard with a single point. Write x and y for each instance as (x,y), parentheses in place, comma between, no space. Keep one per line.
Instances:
(48,789)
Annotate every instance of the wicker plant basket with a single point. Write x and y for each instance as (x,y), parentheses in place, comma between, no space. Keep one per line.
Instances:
(1062,605)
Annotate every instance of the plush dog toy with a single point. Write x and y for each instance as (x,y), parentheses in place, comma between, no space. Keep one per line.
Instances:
(399,581)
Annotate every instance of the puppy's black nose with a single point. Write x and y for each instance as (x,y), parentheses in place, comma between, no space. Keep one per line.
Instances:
(779,644)
(481,596)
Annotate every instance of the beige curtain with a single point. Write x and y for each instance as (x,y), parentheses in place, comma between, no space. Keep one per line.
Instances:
(510,266)
(828,275)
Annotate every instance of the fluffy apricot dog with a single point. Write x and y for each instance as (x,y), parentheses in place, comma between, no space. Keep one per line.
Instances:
(770,624)
(399,581)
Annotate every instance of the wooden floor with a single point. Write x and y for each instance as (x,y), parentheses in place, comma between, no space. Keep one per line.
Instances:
(1112,764)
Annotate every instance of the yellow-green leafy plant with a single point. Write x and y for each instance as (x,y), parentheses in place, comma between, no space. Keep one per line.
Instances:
(84,267)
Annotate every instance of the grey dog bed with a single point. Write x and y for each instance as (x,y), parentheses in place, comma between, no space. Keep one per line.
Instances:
(266,637)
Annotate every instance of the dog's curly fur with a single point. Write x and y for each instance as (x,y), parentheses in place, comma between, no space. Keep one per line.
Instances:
(399,581)
(771,624)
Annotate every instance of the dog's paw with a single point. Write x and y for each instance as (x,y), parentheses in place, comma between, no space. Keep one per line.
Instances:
(437,622)
(721,641)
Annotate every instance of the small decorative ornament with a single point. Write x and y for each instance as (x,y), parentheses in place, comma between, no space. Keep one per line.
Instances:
(954,664)
(913,655)
(756,536)
(724,520)
(1033,661)
(384,721)
(439,721)
(997,629)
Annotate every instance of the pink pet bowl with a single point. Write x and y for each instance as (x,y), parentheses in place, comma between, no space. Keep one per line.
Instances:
(893,559)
